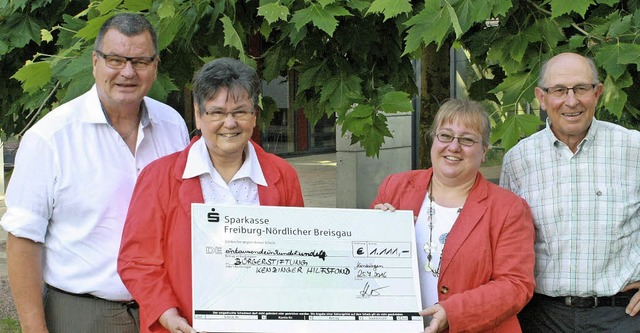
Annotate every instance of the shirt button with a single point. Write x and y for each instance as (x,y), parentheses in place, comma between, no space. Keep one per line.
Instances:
(444,290)
(599,193)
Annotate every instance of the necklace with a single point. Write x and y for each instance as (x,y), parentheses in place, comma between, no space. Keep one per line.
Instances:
(430,247)
(134,127)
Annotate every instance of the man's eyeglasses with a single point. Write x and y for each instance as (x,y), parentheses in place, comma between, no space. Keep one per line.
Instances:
(579,90)
(118,62)
(219,115)
(448,138)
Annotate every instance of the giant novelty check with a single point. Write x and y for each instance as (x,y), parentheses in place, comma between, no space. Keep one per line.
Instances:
(286,269)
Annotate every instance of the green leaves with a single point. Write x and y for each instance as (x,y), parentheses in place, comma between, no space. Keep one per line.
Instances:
(231,36)
(630,54)
(337,91)
(167,31)
(517,88)
(137,5)
(430,25)
(560,7)
(106,6)
(4,47)
(323,17)
(438,17)
(514,128)
(166,10)
(396,101)
(91,29)
(367,127)
(33,75)
(376,134)
(22,30)
(359,120)
(45,35)
(608,55)
(352,58)
(390,8)
(367,123)
(273,12)
(551,31)
(614,97)
(162,87)
(470,12)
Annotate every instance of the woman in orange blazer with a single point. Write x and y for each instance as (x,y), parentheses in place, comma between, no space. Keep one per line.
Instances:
(474,239)
(221,166)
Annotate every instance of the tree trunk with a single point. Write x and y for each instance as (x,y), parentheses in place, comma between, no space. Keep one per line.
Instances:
(435,91)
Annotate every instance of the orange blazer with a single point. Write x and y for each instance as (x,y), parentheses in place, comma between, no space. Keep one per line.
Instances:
(486,274)
(155,254)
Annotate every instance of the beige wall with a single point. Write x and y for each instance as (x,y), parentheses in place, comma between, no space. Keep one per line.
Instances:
(358,176)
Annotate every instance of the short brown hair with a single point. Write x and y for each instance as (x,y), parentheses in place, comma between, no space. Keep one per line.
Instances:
(468,112)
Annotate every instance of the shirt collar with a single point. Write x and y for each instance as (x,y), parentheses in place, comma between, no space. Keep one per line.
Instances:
(254,170)
(95,112)
(144,114)
(199,162)
(591,134)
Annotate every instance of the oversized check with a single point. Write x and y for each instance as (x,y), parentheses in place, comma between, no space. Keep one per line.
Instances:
(291,269)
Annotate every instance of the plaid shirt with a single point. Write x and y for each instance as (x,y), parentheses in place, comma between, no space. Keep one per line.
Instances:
(585,206)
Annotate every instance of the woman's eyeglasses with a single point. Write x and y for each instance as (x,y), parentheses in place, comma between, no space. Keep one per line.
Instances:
(448,138)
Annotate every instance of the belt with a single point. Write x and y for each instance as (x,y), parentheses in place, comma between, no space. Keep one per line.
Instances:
(129,304)
(619,299)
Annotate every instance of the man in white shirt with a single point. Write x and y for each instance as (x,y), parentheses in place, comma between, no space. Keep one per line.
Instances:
(69,193)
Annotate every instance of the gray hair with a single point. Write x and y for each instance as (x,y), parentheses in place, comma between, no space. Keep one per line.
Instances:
(466,111)
(592,68)
(225,73)
(129,25)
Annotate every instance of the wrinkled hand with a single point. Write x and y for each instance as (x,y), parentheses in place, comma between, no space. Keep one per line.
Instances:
(385,206)
(439,321)
(634,305)
(172,321)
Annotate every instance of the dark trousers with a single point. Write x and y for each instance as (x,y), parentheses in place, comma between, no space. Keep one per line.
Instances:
(66,313)
(544,314)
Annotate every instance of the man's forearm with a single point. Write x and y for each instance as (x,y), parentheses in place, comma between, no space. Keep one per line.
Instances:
(24,258)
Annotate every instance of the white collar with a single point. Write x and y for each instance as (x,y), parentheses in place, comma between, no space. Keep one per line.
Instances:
(199,162)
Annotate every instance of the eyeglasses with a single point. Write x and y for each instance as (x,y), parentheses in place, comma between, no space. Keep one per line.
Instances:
(118,62)
(579,90)
(448,138)
(219,115)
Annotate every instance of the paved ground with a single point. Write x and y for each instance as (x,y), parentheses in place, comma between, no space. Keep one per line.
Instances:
(317,175)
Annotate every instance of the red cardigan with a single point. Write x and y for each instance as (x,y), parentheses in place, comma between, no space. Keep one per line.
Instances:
(486,276)
(155,254)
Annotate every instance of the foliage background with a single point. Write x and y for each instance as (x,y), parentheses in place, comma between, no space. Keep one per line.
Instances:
(350,57)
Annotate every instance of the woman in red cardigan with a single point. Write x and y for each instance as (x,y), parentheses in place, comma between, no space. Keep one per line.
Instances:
(474,239)
(221,166)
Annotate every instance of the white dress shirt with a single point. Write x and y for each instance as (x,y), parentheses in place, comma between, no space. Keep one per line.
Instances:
(71,186)
(243,187)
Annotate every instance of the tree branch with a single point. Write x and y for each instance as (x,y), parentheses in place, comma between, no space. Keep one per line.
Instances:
(573,24)
(33,115)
